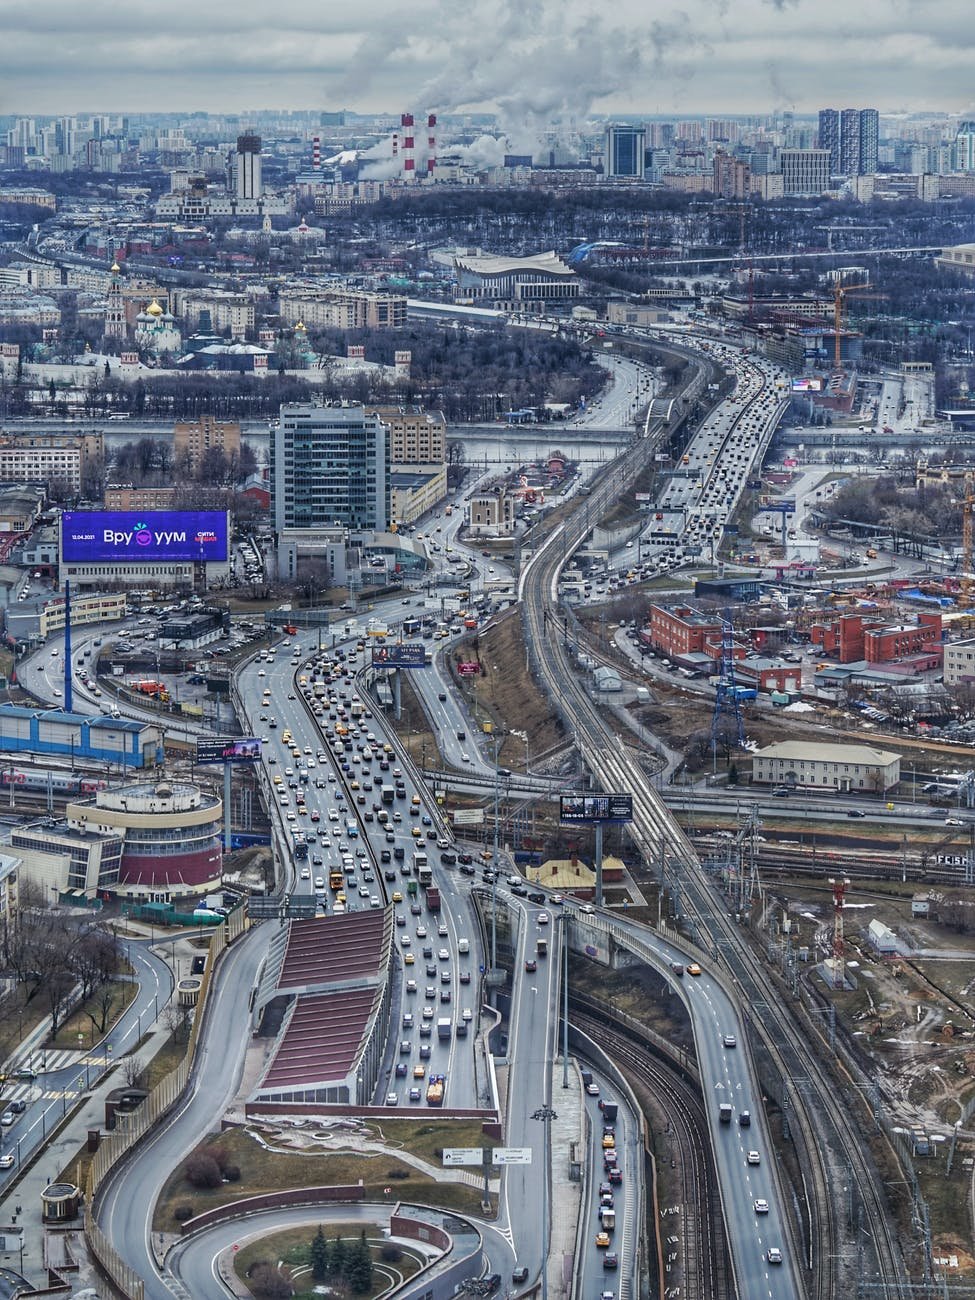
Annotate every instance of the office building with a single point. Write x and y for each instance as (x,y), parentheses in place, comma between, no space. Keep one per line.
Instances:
(625,150)
(805,171)
(329,466)
(416,437)
(812,764)
(869,141)
(248,161)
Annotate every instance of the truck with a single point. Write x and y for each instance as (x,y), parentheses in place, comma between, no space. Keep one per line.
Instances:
(642,695)
(725,1112)
(780,698)
(607,1219)
(444,1027)
(433,898)
(610,1110)
(336,880)
(435,1090)
(388,794)
(541,947)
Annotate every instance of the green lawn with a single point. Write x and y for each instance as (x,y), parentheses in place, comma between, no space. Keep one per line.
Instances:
(291,1249)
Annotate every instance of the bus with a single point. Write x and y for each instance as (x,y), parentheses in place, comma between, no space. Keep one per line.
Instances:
(411,627)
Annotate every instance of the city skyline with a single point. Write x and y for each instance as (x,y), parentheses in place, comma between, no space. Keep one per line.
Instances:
(530,61)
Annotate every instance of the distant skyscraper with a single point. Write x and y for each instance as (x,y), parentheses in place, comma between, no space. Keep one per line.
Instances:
(852,138)
(869,140)
(625,150)
(965,147)
(249,184)
(829,135)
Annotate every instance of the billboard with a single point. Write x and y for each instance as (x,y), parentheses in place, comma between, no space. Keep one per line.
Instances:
(143,536)
(596,808)
(408,655)
(468,816)
(240,749)
(807,384)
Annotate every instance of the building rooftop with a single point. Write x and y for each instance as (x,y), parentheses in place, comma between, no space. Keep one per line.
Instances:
(102,721)
(822,752)
(336,950)
(322,1040)
(541,263)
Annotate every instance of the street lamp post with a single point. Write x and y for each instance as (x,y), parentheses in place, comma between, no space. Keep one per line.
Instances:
(545,1114)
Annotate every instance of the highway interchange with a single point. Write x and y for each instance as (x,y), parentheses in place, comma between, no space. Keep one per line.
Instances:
(721,455)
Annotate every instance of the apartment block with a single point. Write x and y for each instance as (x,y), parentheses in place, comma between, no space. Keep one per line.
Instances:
(335,308)
(194,438)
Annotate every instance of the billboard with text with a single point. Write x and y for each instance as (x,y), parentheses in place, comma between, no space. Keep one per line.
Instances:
(581,808)
(408,655)
(246,749)
(143,536)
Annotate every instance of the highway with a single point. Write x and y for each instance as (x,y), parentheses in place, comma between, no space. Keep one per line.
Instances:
(655,833)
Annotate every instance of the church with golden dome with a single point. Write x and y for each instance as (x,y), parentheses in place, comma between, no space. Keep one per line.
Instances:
(157,330)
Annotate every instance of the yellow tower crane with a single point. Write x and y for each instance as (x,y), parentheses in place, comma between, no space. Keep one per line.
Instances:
(840,294)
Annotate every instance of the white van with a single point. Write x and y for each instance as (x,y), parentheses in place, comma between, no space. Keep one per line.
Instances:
(463,946)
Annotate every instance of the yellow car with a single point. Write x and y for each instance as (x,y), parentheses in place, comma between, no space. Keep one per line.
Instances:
(416,832)
(609,1142)
(397,896)
(419,1071)
(602,1240)
(354,785)
(409,959)
(694,970)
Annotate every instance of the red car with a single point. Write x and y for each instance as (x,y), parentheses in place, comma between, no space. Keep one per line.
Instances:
(531,965)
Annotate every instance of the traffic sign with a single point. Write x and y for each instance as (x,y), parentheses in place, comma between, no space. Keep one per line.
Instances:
(511,1156)
(453,1156)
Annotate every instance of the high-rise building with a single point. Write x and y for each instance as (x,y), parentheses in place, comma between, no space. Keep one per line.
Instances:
(852,138)
(805,171)
(965,147)
(625,150)
(850,142)
(194,438)
(869,140)
(732,178)
(329,465)
(249,184)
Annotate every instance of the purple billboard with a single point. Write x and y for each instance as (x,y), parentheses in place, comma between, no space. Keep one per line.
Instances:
(149,536)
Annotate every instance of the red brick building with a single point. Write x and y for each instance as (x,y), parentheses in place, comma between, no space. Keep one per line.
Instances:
(682,631)
(853,638)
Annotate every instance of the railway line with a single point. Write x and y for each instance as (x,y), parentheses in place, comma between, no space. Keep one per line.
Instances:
(828,1136)
(704,1273)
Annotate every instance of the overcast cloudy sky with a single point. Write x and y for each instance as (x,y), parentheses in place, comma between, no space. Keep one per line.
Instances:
(530,58)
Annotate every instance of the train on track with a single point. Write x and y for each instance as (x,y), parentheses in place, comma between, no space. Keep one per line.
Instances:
(36,780)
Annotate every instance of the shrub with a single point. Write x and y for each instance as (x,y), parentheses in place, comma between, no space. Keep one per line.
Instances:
(269,1283)
(202,1170)
(232,1173)
(390,1252)
(182,1212)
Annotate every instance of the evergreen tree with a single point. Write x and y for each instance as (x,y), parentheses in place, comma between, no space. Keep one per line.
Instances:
(358,1268)
(319,1256)
(338,1257)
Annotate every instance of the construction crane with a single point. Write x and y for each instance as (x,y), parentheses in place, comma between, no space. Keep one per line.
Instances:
(840,294)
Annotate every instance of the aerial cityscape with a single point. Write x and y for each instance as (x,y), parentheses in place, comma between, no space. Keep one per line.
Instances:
(487,672)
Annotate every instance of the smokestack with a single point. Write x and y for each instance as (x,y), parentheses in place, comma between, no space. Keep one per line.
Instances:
(409,162)
(395,146)
(431,145)
(316,153)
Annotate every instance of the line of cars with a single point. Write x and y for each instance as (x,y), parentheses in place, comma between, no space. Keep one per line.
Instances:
(612,1176)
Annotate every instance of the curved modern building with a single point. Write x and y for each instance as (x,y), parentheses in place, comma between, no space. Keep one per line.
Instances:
(172,837)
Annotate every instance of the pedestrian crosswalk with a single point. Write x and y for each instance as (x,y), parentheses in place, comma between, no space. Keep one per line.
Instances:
(45,1063)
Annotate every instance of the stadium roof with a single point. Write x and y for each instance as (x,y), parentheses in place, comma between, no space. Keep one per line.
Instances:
(541,263)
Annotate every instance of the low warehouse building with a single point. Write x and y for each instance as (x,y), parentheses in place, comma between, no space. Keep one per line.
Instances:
(823,766)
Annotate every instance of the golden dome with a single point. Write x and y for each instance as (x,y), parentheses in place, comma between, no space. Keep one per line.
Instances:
(115,268)
(300,327)
(154,309)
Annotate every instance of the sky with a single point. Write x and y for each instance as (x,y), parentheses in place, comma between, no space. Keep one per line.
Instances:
(531,60)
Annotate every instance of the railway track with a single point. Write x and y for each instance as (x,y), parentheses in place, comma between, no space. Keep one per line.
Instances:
(828,1135)
(704,1273)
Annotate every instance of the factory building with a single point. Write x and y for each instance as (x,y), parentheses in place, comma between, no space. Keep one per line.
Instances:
(81,736)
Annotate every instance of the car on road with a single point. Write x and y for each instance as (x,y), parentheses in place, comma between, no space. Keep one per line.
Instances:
(531,965)
(392,1098)
(611,1260)
(753,1158)
(602,1240)
(520,1274)
(592,1089)
(774,1255)
(694,970)
(730,1040)
(855,812)
(761,1206)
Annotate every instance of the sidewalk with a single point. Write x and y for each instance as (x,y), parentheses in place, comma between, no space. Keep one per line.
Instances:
(20,1202)
(567,1130)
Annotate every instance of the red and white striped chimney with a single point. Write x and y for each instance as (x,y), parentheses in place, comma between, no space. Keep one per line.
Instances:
(431,145)
(316,153)
(409,162)
(395,146)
